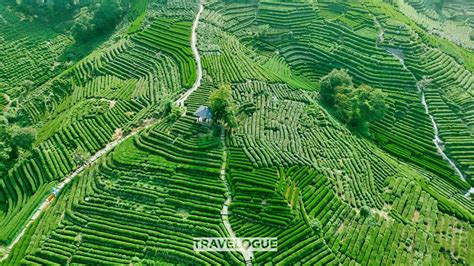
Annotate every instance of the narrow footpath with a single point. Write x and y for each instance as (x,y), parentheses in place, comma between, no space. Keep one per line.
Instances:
(247,254)
(436,138)
(194,48)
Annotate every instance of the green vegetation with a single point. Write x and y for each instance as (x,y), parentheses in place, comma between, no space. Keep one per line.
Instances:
(173,112)
(47,9)
(137,14)
(168,197)
(76,113)
(287,80)
(172,37)
(223,109)
(331,84)
(357,106)
(15,141)
(86,20)
(99,20)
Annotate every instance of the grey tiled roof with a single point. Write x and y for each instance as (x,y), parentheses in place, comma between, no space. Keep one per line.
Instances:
(203,112)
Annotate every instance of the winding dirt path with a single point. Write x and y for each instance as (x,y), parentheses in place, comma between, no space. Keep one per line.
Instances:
(436,138)
(194,48)
(247,254)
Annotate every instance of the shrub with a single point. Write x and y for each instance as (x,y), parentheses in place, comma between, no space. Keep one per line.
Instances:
(365,211)
(316,226)
(175,112)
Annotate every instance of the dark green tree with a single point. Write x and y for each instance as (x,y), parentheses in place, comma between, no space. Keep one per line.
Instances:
(22,137)
(336,79)
(222,106)
(5,151)
(83,26)
(365,211)
(13,139)
(355,106)
(96,20)
(167,106)
(108,15)
(360,105)
(316,226)
(5,148)
(48,9)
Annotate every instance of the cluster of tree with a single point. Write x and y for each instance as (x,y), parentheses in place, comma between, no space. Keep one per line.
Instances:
(166,109)
(357,106)
(222,106)
(90,17)
(98,19)
(48,8)
(13,141)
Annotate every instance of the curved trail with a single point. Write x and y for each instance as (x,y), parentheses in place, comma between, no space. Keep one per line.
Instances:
(247,254)
(110,146)
(436,138)
(469,192)
(225,207)
(194,48)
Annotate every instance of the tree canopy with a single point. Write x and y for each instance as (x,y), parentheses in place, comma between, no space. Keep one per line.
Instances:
(90,18)
(329,83)
(13,140)
(357,106)
(365,211)
(23,137)
(222,106)
(98,19)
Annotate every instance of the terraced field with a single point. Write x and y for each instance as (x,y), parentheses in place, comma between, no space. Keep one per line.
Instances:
(146,183)
(451,19)
(28,51)
(88,105)
(290,168)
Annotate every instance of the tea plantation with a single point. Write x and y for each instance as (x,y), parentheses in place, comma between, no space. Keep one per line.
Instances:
(104,162)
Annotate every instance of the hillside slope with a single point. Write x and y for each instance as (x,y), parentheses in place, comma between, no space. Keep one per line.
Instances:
(293,169)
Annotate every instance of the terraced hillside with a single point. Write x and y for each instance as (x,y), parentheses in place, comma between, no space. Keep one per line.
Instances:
(451,19)
(158,192)
(145,177)
(29,51)
(97,100)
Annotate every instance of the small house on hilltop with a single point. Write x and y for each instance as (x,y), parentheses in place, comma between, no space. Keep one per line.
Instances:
(203,114)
